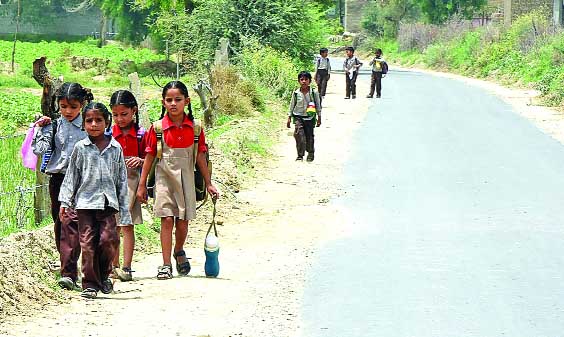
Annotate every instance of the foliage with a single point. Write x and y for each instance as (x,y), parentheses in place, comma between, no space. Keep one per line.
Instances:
(272,69)
(293,26)
(441,11)
(382,18)
(17,109)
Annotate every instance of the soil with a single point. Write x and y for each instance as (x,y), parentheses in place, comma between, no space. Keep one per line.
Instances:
(270,232)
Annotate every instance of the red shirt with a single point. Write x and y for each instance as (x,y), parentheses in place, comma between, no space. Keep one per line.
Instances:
(175,136)
(131,145)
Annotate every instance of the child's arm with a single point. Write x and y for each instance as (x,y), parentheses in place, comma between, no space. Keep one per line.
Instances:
(42,140)
(142,188)
(70,183)
(121,189)
(203,166)
(317,107)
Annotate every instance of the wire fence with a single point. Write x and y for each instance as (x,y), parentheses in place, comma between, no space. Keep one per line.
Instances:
(19,190)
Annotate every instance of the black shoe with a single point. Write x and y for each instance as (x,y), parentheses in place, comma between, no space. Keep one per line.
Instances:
(369,96)
(300,158)
(353,96)
(347,97)
(309,158)
(378,96)
(107,286)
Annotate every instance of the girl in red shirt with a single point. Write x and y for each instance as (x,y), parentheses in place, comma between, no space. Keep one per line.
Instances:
(129,135)
(175,196)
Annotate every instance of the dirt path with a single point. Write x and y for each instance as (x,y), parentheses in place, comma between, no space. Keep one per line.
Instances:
(267,240)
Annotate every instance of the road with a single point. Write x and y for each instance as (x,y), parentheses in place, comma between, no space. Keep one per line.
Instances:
(457,225)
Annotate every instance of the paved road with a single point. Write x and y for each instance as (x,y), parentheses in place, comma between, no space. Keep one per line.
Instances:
(458,227)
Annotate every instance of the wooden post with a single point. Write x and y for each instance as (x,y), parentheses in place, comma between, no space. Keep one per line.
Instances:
(16,36)
(42,203)
(135,88)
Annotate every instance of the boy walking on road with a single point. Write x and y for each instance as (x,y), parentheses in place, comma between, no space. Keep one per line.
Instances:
(351,66)
(379,70)
(322,71)
(305,110)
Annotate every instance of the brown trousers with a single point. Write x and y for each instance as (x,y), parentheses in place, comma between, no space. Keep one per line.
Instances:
(99,242)
(376,83)
(321,78)
(351,84)
(66,230)
(303,133)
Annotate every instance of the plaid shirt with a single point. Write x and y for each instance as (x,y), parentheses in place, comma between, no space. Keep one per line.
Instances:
(94,176)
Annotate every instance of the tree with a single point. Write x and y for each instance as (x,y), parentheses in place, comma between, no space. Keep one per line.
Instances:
(438,11)
(382,18)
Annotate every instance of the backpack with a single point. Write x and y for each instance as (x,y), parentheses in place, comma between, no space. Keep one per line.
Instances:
(384,67)
(199,182)
(47,155)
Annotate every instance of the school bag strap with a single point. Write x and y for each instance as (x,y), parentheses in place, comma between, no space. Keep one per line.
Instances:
(158,127)
(197,131)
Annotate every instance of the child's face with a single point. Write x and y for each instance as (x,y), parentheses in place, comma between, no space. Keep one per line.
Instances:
(349,53)
(304,82)
(95,123)
(123,116)
(378,54)
(175,102)
(69,109)
(324,54)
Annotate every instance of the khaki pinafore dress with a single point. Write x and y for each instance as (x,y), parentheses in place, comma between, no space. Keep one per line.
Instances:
(133,178)
(174,183)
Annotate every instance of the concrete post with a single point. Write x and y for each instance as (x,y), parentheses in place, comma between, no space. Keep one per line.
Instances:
(557,12)
(507,12)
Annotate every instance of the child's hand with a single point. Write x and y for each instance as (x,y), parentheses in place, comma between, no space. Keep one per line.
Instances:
(43,121)
(318,124)
(62,212)
(288,122)
(212,190)
(133,162)
(142,194)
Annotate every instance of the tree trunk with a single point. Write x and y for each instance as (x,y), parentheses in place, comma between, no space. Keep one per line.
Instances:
(16,37)
(103,30)
(42,203)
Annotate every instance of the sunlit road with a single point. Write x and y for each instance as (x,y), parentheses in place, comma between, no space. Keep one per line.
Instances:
(458,222)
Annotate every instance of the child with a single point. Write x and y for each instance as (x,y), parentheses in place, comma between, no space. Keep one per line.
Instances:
(96,187)
(379,70)
(175,196)
(305,109)
(351,66)
(322,71)
(60,136)
(129,135)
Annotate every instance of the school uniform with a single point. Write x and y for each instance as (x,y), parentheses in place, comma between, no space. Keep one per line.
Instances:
(96,186)
(133,144)
(322,74)
(348,66)
(175,195)
(378,64)
(304,124)
(66,229)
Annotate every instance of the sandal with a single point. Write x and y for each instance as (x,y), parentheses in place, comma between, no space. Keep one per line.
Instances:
(182,268)
(165,272)
(89,293)
(107,286)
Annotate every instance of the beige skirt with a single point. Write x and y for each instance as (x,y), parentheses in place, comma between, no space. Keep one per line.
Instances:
(175,195)
(134,205)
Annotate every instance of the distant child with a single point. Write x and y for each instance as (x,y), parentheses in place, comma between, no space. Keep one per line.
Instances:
(175,196)
(129,135)
(305,110)
(379,70)
(351,67)
(322,71)
(58,138)
(96,187)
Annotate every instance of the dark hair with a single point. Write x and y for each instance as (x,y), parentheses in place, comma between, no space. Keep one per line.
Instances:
(323,50)
(350,48)
(378,51)
(70,91)
(101,108)
(126,98)
(184,90)
(305,74)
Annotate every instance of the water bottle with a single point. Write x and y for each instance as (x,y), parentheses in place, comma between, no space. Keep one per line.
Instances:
(211,249)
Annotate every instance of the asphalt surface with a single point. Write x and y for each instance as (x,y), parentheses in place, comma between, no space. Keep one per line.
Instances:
(457,225)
